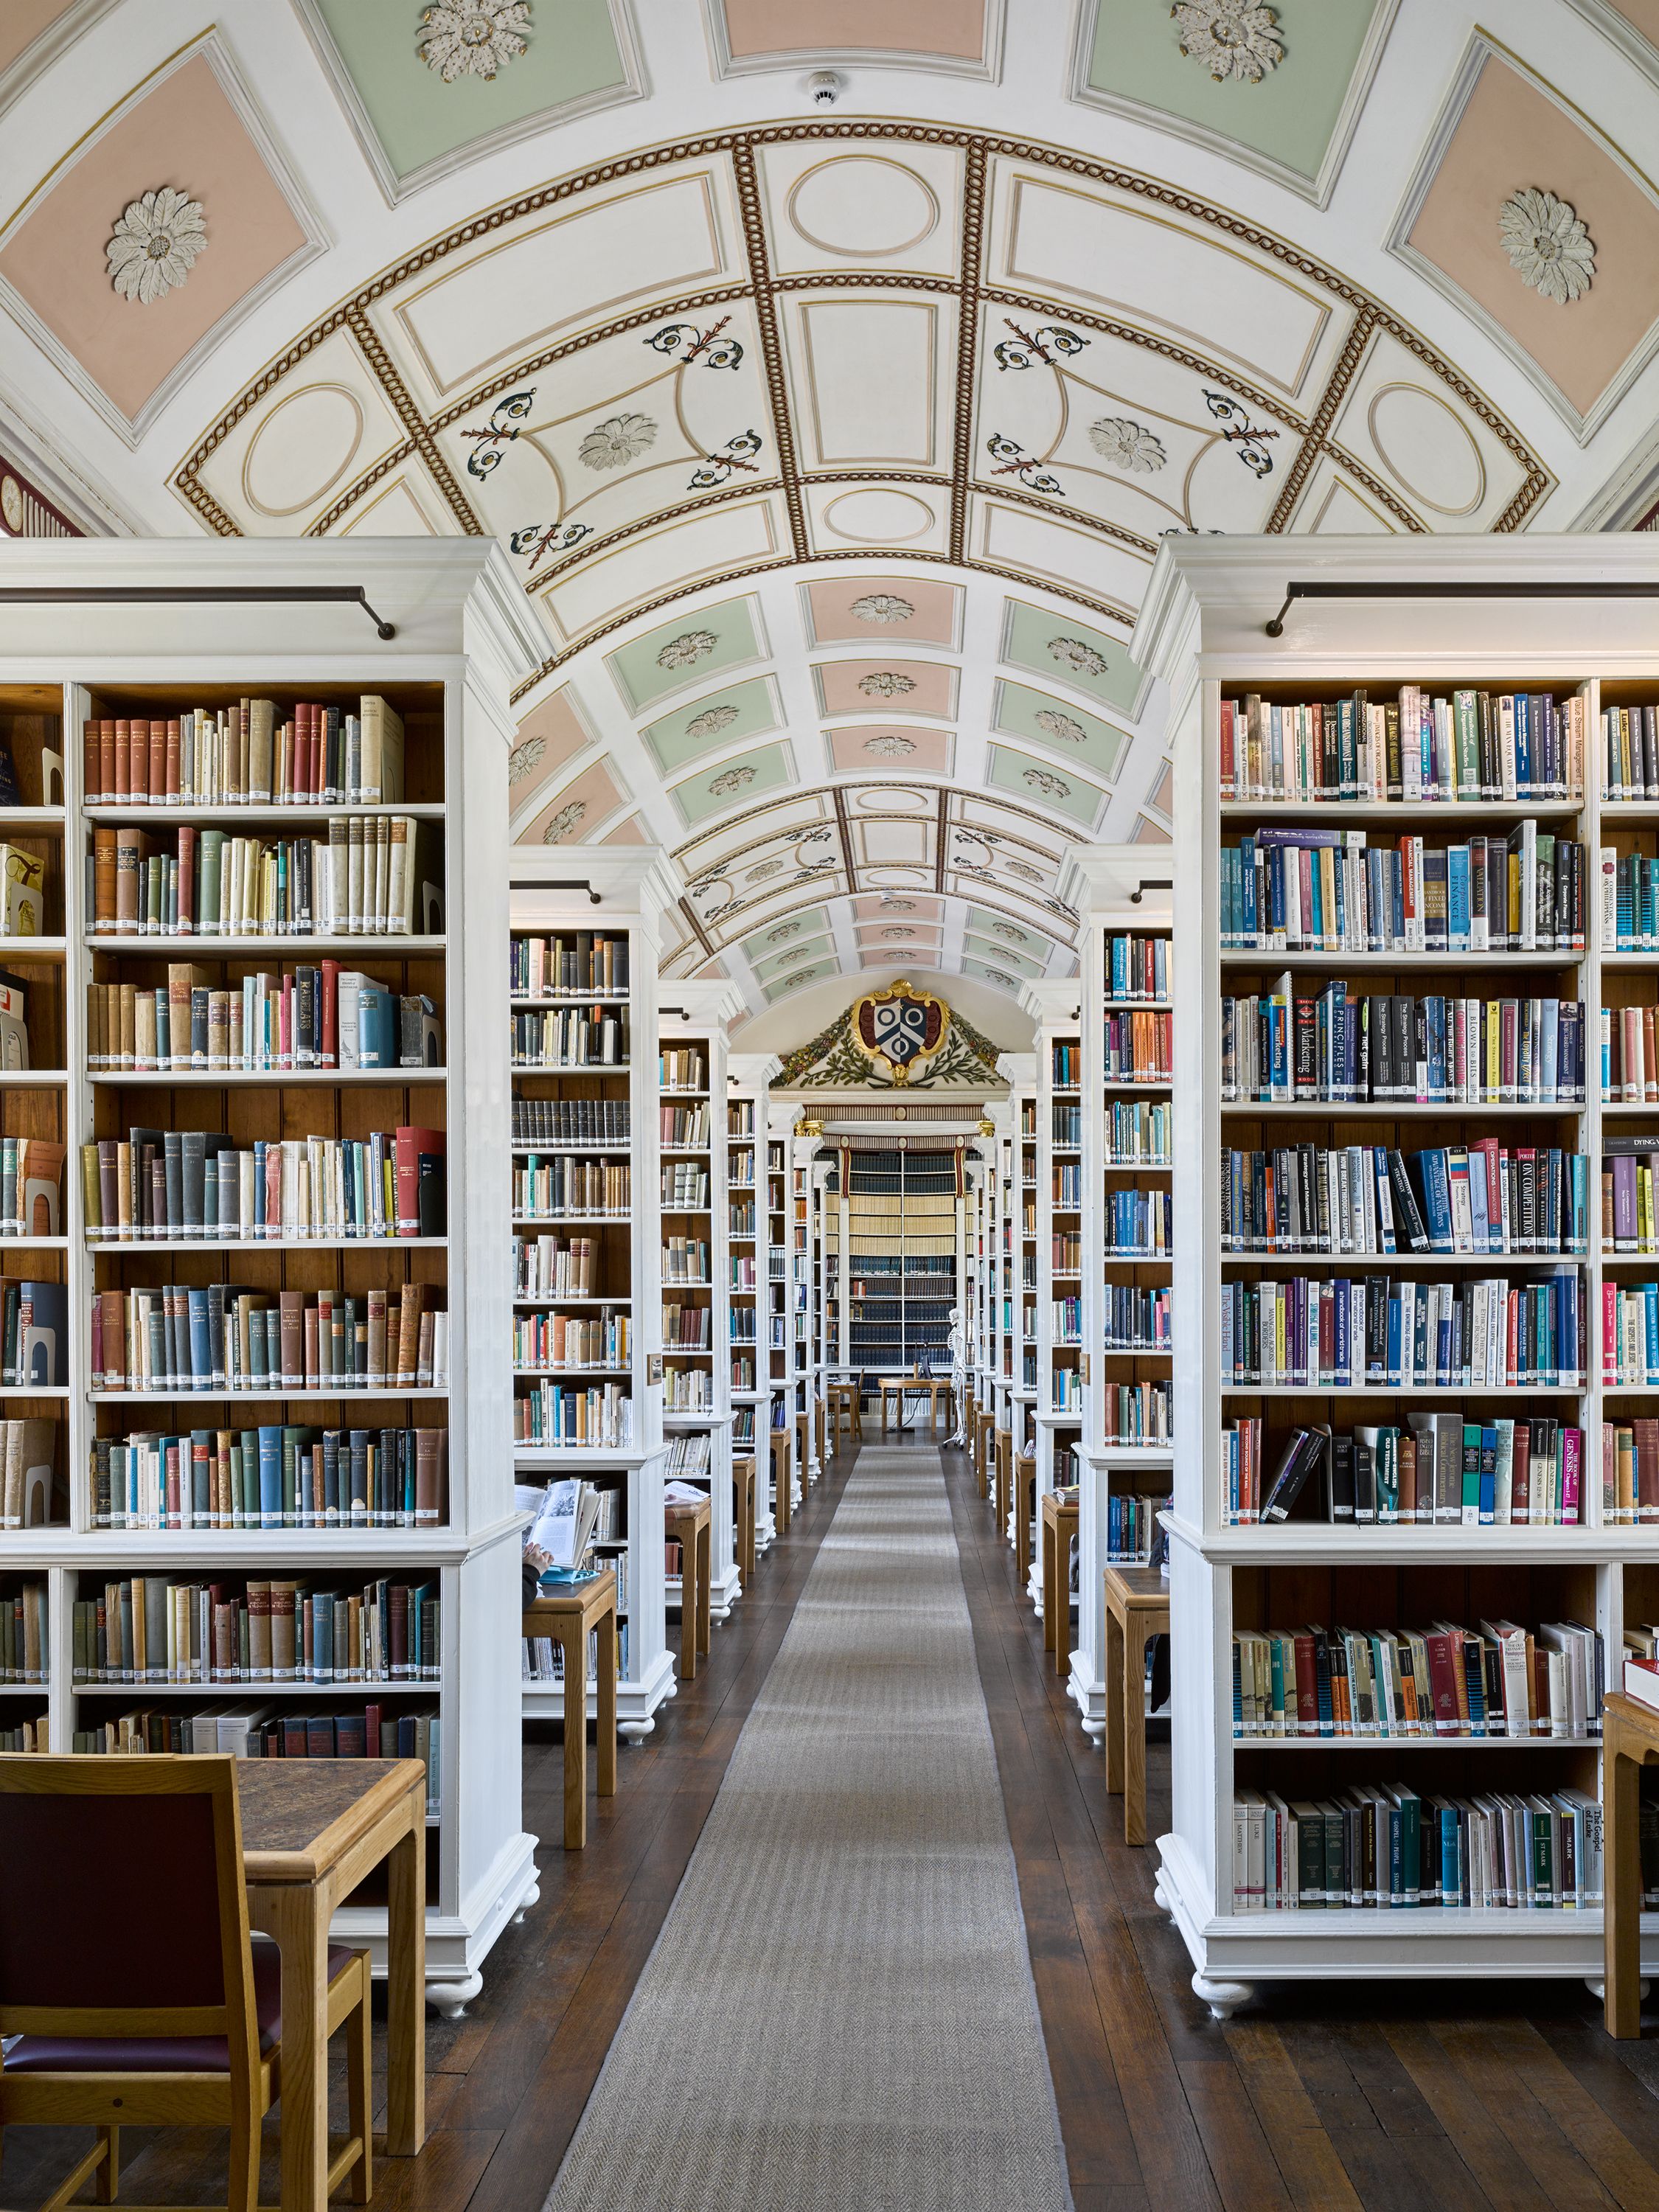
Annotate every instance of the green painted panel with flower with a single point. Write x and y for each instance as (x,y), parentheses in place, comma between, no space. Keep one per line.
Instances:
(1069,652)
(1039,785)
(1059,726)
(737,782)
(688,649)
(721,718)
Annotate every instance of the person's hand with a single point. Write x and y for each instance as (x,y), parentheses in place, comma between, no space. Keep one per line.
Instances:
(536,1556)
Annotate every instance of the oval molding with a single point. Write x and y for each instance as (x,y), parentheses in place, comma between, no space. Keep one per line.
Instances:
(320,491)
(1417,392)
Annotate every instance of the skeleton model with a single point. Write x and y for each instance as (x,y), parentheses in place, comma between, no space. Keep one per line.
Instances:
(958,1377)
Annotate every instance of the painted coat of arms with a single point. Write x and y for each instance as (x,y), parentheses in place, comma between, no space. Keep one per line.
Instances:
(900,1028)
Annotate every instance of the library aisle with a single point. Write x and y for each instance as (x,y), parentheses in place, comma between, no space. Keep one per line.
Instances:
(846,1948)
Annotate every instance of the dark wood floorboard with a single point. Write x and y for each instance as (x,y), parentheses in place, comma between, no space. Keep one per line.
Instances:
(1417,2097)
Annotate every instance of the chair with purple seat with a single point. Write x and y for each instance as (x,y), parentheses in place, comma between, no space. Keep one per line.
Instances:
(128,1975)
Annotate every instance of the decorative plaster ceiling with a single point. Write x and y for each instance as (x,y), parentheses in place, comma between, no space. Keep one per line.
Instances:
(833,450)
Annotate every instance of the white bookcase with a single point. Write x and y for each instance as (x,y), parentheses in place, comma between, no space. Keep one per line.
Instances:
(611,893)
(1021,1274)
(696,1382)
(1105,885)
(749,1077)
(1058,1244)
(463,640)
(1204,626)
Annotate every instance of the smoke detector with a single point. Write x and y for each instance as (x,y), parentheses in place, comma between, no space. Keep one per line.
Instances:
(826,87)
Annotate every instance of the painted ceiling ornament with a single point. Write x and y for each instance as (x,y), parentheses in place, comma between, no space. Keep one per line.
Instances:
(712,721)
(1065,728)
(522,758)
(900,1028)
(617,441)
(552,537)
(796,952)
(1004,983)
(155,244)
(886,683)
(883,607)
(766,868)
(889,904)
(686,343)
(1011,459)
(1007,929)
(731,780)
(1047,786)
(1238,430)
(1127,446)
(1024,869)
(564,822)
(738,453)
(898,930)
(472,38)
(685,651)
(1027,349)
(1071,652)
(813,837)
(1232,38)
(1548,246)
(784,931)
(493,438)
(893,747)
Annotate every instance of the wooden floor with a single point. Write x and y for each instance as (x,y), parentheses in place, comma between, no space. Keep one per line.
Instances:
(1427,2096)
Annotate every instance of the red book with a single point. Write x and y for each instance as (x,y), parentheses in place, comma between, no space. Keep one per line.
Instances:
(274,1192)
(301,749)
(156,768)
(92,768)
(414,1152)
(187,836)
(1307,1687)
(1444,1658)
(138,760)
(120,762)
(1521,1475)
(328,1055)
(170,785)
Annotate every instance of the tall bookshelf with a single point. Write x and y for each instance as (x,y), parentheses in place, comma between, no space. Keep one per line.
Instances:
(463,640)
(802,1303)
(749,1077)
(780,1352)
(1125,1464)
(902,1258)
(1057,1415)
(1205,620)
(694,1215)
(1020,1254)
(586,1059)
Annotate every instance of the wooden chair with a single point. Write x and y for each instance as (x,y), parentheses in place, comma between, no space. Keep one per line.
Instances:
(127,1971)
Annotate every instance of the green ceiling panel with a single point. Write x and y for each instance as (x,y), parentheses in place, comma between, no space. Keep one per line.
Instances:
(815,974)
(1061,727)
(982,921)
(1038,785)
(1000,955)
(737,782)
(722,717)
(644,674)
(1069,652)
(785,961)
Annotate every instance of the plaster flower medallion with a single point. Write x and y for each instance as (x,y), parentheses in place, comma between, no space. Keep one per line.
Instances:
(734,780)
(995,975)
(711,721)
(522,758)
(153,245)
(1232,38)
(883,607)
(617,441)
(886,683)
(1047,786)
(796,952)
(685,651)
(784,931)
(1071,652)
(766,868)
(1063,726)
(564,822)
(1127,445)
(472,38)
(890,748)
(900,930)
(1549,248)
(890,905)
(1007,929)
(1024,871)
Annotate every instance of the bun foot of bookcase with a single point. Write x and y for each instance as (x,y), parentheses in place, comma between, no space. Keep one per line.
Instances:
(1223,1998)
(1598,1988)
(1160,1898)
(635,1731)
(1095,1732)
(453,1998)
(531,1896)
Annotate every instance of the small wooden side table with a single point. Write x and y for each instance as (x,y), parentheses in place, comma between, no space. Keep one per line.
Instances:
(1630,1737)
(569,1616)
(1025,1512)
(819,1433)
(743,1502)
(803,1451)
(1060,1522)
(1002,1476)
(843,1399)
(688,1526)
(782,1480)
(985,1427)
(1137,1609)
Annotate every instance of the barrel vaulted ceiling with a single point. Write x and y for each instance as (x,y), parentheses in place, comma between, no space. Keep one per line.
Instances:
(832,444)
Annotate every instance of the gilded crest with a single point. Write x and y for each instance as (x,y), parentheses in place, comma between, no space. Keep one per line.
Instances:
(900,1028)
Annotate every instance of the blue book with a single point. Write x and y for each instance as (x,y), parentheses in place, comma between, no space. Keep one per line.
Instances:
(1434,1184)
(378,1042)
(1522,743)
(1457,898)
(1488,1475)
(201,1341)
(270,1477)
(1451,1857)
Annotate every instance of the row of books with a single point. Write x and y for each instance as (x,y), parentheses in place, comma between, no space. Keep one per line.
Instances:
(25,1634)
(26,1736)
(1475,746)
(1422,1685)
(304,1017)
(1630,753)
(542,1657)
(1437,1467)
(1630,1334)
(1387,1847)
(1345,1047)
(685,1259)
(569,1036)
(686,1329)
(1066,1066)
(245,755)
(1139,1133)
(553,966)
(1137,967)
(1357,1199)
(555,1266)
(682,1067)
(1137,1412)
(276,1476)
(231,1337)
(33,1334)
(28,1473)
(684,1127)
(551,1417)
(1327,890)
(147,1628)
(552,1343)
(1065,1125)
(570,1122)
(1630,901)
(1066,1187)
(688,1390)
(1139,1047)
(1630,1222)
(1629,1055)
(1131,1518)
(257,1733)
(31,1187)
(1353,1333)
(1136,1223)
(373,875)
(691,1458)
(741,1220)
(194,1184)
(567,1185)
(1136,1320)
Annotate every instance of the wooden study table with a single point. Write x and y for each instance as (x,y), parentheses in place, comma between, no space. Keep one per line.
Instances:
(936,1391)
(1137,1609)
(569,1613)
(1060,1525)
(1630,1737)
(687,1526)
(312,1829)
